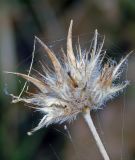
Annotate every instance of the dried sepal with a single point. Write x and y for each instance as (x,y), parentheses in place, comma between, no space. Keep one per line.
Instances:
(40,85)
(54,60)
(70,52)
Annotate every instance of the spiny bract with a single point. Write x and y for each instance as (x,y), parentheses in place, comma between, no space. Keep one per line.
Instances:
(81,81)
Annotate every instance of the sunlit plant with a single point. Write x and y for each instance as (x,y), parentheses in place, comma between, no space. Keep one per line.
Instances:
(79,83)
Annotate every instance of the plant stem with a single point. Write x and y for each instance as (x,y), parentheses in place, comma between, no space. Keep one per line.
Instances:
(91,125)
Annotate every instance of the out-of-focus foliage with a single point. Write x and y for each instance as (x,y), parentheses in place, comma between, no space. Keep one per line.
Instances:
(20,21)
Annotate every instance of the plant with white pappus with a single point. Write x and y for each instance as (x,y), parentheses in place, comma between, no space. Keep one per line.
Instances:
(78,84)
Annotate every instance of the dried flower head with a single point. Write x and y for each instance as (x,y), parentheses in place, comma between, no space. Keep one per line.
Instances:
(81,82)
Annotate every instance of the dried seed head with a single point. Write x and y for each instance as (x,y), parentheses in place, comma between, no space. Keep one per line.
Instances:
(79,82)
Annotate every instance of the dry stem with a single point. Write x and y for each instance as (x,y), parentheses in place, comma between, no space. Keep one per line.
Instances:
(91,125)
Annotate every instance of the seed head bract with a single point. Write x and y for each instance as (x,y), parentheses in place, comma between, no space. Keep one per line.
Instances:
(81,81)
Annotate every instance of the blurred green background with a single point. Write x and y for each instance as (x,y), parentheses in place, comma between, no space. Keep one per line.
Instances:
(20,21)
